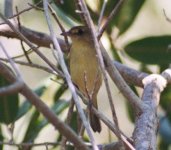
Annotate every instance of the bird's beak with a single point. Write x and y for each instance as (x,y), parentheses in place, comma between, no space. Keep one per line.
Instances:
(65,33)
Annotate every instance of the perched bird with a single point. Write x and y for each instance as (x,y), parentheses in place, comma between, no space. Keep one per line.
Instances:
(84,68)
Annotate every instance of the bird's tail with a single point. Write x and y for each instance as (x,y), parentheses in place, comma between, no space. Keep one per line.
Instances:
(94,120)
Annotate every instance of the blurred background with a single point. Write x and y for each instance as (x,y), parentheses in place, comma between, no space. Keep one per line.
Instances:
(149,21)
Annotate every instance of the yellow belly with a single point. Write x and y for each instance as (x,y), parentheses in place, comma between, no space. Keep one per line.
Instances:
(84,69)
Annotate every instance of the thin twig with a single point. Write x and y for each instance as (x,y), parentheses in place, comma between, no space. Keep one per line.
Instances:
(12,63)
(134,100)
(107,122)
(130,75)
(102,13)
(49,70)
(22,55)
(45,110)
(68,120)
(23,11)
(12,88)
(31,45)
(22,44)
(100,58)
(18,84)
(29,144)
(36,7)
(60,57)
(112,14)
(60,26)
(167,18)
(113,128)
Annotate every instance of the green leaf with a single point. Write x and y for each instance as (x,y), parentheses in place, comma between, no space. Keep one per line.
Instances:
(73,123)
(40,2)
(127,14)
(68,9)
(31,132)
(1,138)
(150,50)
(60,106)
(59,92)
(26,106)
(165,130)
(163,145)
(37,124)
(165,101)
(8,105)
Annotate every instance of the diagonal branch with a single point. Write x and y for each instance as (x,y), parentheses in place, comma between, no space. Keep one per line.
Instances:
(38,38)
(110,17)
(31,45)
(18,84)
(44,109)
(146,126)
(14,87)
(130,75)
(60,58)
(90,24)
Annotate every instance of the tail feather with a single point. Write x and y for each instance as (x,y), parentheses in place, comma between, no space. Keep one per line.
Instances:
(94,120)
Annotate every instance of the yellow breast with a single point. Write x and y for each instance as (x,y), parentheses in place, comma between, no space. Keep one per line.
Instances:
(84,68)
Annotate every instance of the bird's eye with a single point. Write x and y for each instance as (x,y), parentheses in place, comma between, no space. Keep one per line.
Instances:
(80,32)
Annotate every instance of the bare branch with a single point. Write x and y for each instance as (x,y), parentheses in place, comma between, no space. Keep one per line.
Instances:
(41,39)
(102,13)
(112,14)
(113,128)
(107,122)
(10,61)
(134,100)
(44,109)
(17,85)
(167,18)
(131,76)
(68,120)
(21,42)
(145,133)
(20,145)
(35,37)
(49,70)
(90,24)
(61,27)
(59,55)
(31,45)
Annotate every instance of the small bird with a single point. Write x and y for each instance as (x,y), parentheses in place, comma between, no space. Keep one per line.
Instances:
(84,68)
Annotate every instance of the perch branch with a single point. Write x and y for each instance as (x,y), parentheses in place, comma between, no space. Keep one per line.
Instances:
(130,75)
(145,132)
(31,45)
(112,14)
(61,61)
(90,24)
(18,84)
(44,109)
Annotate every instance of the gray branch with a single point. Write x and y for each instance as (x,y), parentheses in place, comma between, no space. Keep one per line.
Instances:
(145,133)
